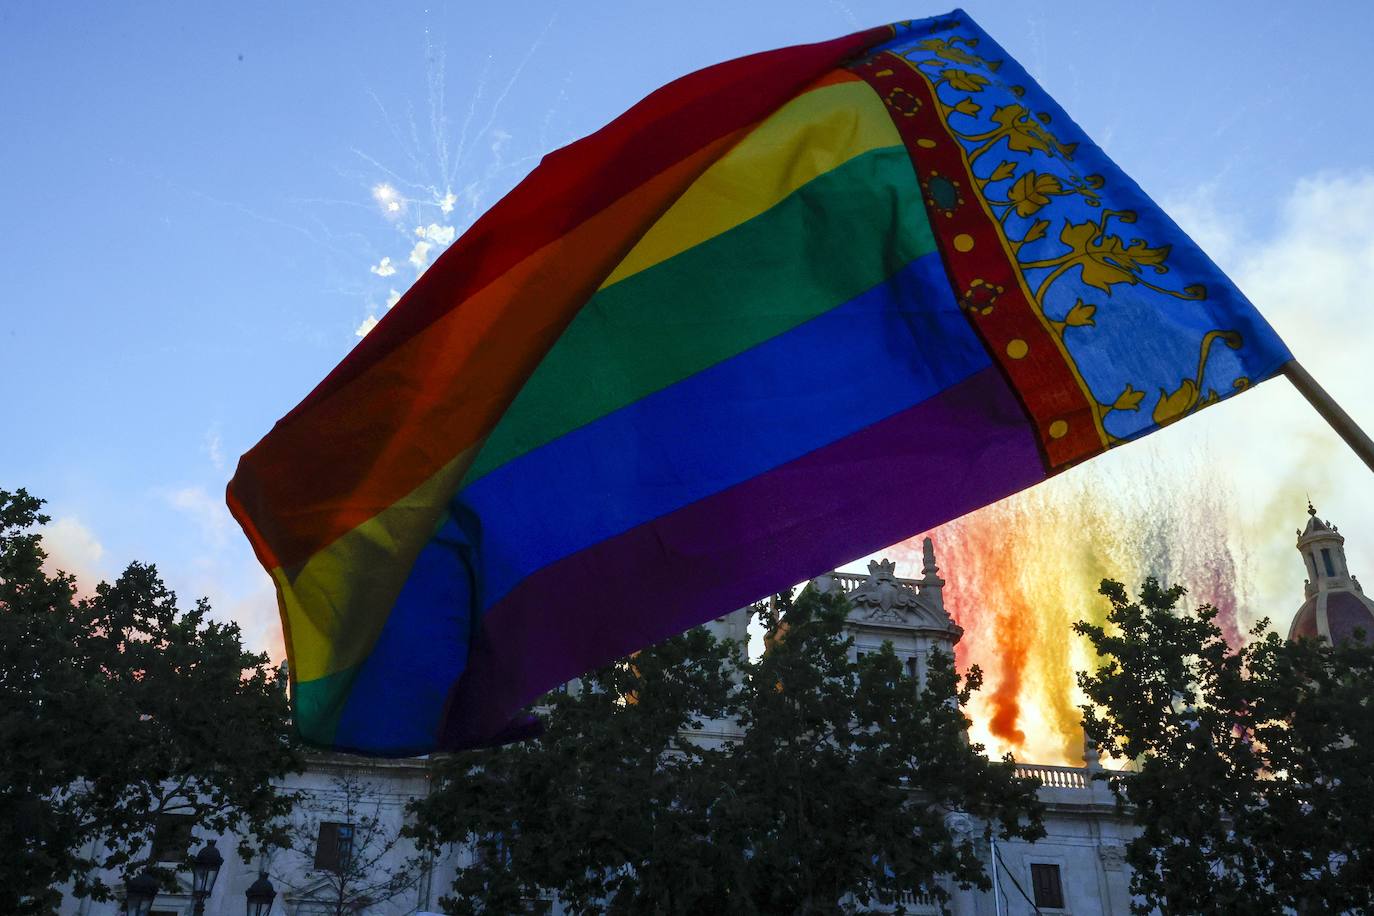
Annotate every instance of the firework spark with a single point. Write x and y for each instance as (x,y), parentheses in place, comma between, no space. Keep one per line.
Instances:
(443,182)
(387,197)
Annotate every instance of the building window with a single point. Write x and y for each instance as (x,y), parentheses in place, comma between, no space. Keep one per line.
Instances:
(1045,884)
(172,837)
(911,667)
(491,852)
(334,847)
(1326,561)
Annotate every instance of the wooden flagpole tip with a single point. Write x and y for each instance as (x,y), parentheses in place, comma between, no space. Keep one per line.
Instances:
(1330,411)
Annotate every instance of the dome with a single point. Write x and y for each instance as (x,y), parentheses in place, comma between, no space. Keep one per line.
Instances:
(1305,621)
(1336,607)
(1333,616)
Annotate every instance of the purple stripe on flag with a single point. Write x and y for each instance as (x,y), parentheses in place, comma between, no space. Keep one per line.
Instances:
(954,452)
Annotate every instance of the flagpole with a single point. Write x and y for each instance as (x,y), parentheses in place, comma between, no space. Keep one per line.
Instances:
(1331,412)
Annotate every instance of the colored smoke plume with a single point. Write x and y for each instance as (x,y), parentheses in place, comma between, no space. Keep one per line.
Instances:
(1020,572)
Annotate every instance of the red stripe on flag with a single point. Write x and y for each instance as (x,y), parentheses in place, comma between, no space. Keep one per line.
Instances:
(583,178)
(436,374)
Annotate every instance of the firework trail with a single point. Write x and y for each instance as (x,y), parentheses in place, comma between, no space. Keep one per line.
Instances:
(442,184)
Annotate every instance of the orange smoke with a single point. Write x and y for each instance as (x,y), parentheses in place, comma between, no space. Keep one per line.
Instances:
(1020,572)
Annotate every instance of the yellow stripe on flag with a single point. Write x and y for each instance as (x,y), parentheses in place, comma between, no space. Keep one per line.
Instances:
(809,136)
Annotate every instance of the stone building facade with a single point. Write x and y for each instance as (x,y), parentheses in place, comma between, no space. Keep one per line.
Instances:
(1077,868)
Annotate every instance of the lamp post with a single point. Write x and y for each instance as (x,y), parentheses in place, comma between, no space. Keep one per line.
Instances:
(204,870)
(139,893)
(260,896)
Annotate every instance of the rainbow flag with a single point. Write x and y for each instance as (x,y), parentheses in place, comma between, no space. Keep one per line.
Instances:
(783,312)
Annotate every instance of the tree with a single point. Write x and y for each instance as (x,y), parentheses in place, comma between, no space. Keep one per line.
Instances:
(837,796)
(117,711)
(341,850)
(852,768)
(608,804)
(1254,766)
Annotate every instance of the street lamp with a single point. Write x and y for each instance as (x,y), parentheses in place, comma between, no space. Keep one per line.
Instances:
(139,893)
(204,870)
(260,896)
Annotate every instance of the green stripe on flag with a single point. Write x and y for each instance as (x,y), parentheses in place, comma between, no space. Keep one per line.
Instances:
(838,235)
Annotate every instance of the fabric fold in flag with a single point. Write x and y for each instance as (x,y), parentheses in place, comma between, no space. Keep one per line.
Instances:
(784,312)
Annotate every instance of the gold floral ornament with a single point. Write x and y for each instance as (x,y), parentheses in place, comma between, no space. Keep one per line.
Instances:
(1087,187)
(1174,404)
(968,107)
(1128,399)
(963,81)
(1004,170)
(1034,234)
(1106,260)
(1023,132)
(1032,191)
(1081,315)
(947,49)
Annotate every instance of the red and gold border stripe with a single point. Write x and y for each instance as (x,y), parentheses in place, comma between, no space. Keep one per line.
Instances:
(982,270)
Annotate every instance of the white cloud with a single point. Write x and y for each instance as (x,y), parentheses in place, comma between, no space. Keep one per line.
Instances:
(383,269)
(238,589)
(368,324)
(214,447)
(447,201)
(1311,281)
(255,611)
(392,297)
(1217,231)
(439,235)
(419,255)
(209,513)
(72,548)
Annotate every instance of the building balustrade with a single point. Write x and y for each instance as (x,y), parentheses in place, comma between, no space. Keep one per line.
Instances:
(1056,777)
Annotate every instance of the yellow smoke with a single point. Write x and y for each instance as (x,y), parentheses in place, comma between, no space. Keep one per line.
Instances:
(1020,572)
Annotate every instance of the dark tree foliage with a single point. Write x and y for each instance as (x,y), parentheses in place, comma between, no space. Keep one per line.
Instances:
(852,767)
(1254,767)
(116,709)
(836,798)
(607,802)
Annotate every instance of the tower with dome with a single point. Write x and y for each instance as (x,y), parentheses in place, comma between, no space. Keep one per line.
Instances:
(1335,606)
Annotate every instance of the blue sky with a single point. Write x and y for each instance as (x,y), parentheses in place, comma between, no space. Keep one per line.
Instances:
(198,199)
